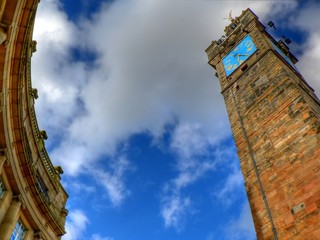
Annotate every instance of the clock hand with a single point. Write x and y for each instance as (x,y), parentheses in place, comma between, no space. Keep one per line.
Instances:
(241,54)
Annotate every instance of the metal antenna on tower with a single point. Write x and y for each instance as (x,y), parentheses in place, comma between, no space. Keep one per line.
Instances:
(286,40)
(272,25)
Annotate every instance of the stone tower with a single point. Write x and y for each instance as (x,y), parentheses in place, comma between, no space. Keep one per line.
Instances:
(275,120)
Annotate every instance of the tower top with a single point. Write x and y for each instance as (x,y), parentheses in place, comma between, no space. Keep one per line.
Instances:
(236,24)
(238,28)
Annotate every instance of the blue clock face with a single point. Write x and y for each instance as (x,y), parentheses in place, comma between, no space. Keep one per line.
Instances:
(238,55)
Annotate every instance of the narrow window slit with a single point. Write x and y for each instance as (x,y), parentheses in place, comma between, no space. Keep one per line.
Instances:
(244,68)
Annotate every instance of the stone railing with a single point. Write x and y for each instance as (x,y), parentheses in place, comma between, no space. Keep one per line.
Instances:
(36,154)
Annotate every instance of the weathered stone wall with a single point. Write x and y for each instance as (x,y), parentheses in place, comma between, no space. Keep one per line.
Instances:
(275,121)
(284,134)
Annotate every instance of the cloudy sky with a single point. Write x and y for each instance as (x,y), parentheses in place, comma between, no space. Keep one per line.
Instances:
(135,116)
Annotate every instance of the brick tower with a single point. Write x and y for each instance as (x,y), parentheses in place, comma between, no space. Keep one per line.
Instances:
(275,120)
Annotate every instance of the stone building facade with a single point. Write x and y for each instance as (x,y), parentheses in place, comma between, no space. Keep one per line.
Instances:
(32,199)
(275,120)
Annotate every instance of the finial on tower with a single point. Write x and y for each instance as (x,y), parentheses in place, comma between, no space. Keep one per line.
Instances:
(229,18)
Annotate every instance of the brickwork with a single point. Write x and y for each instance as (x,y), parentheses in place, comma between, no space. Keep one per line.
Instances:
(270,103)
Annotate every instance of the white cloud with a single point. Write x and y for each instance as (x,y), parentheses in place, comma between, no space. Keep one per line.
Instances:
(56,76)
(229,192)
(78,187)
(53,26)
(241,227)
(193,162)
(308,21)
(191,140)
(193,147)
(198,155)
(76,225)
(150,71)
(113,179)
(175,208)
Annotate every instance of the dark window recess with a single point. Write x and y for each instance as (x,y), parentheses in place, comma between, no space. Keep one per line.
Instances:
(2,188)
(233,26)
(42,188)
(28,149)
(245,67)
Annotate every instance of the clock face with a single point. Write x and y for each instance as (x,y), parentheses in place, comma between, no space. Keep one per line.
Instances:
(238,55)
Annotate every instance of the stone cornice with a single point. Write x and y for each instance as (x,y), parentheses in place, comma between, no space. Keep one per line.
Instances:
(26,153)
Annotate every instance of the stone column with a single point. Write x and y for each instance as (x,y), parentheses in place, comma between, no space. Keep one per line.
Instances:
(2,160)
(38,235)
(10,219)
(29,235)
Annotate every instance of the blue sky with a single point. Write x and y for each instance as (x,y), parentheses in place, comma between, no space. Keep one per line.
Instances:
(135,116)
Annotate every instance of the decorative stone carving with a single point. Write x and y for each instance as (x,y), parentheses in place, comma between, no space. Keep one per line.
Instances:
(18,197)
(43,134)
(38,235)
(25,153)
(64,212)
(33,46)
(59,169)
(34,93)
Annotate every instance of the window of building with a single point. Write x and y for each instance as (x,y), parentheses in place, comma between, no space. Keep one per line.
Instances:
(19,231)
(42,188)
(28,149)
(2,188)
